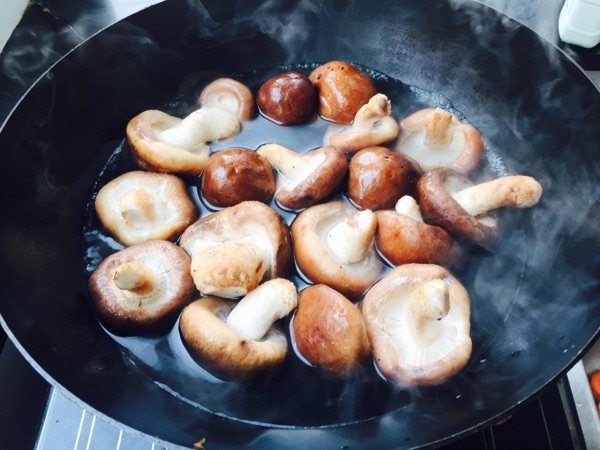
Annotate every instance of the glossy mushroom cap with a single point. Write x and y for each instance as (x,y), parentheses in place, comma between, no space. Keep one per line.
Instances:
(333,245)
(342,90)
(434,138)
(139,206)
(142,288)
(402,237)
(306,179)
(372,125)
(329,331)
(418,321)
(379,176)
(287,99)
(451,201)
(230,95)
(234,249)
(234,175)
(163,143)
(240,341)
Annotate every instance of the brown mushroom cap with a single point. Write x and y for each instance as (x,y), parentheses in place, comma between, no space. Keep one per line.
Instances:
(317,260)
(231,95)
(439,208)
(329,330)
(418,322)
(434,138)
(372,125)
(342,89)
(139,206)
(163,143)
(149,299)
(237,248)
(401,239)
(224,351)
(287,99)
(234,175)
(378,177)
(323,169)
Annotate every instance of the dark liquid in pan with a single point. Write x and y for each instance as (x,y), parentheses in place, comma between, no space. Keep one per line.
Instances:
(297,395)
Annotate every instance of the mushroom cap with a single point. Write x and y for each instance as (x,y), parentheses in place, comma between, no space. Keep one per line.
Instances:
(319,184)
(378,177)
(403,240)
(130,312)
(342,90)
(287,99)
(139,206)
(440,349)
(221,349)
(249,219)
(230,95)
(438,207)
(153,154)
(372,125)
(234,175)
(329,330)
(462,154)
(316,260)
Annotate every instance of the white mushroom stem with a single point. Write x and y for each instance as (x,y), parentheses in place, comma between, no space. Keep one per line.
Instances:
(377,108)
(134,277)
(517,191)
(203,125)
(351,238)
(287,162)
(427,304)
(437,131)
(137,208)
(408,206)
(256,312)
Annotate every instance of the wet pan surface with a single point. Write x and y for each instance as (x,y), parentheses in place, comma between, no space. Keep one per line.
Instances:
(534,299)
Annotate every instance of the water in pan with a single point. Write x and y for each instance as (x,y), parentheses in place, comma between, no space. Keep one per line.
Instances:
(300,395)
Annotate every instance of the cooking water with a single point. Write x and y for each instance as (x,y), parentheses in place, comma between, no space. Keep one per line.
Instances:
(298,394)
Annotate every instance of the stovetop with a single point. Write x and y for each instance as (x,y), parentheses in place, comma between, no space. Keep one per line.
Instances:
(37,416)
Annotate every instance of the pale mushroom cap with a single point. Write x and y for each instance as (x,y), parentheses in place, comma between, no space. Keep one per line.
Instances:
(460,150)
(221,349)
(315,258)
(411,343)
(126,309)
(230,95)
(247,225)
(139,206)
(372,125)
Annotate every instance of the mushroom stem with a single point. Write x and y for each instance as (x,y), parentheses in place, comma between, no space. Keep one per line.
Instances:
(256,312)
(134,277)
(137,208)
(428,303)
(408,206)
(351,238)
(437,133)
(201,126)
(289,163)
(518,191)
(378,107)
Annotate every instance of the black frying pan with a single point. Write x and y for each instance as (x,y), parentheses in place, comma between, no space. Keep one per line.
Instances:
(535,305)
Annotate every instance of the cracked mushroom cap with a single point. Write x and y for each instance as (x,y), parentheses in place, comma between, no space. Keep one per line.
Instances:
(418,321)
(333,245)
(238,341)
(234,249)
(372,125)
(163,143)
(402,237)
(143,288)
(230,95)
(434,138)
(329,331)
(139,206)
(452,202)
(305,179)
